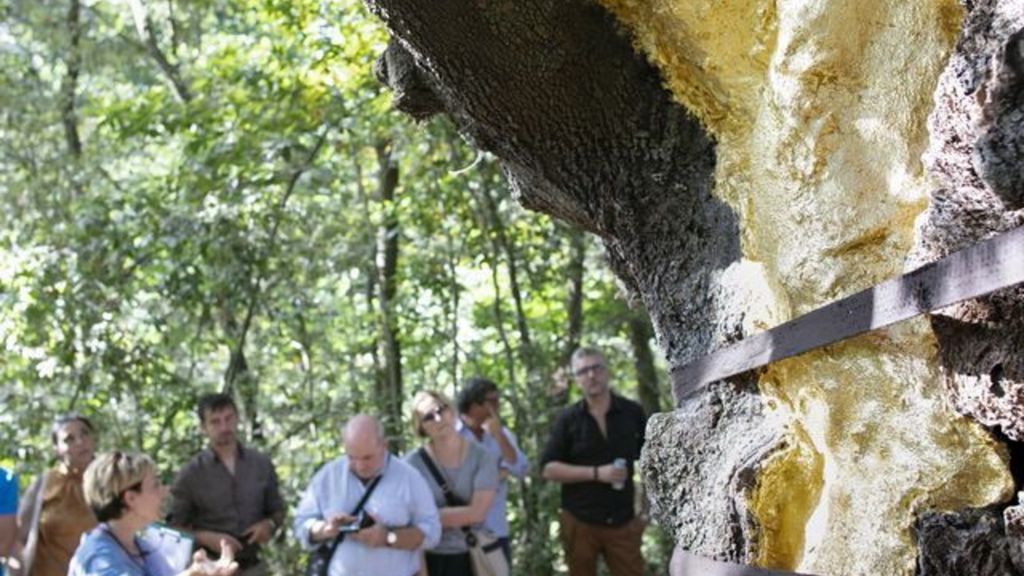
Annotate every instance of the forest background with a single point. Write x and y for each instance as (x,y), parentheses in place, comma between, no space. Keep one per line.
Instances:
(203,195)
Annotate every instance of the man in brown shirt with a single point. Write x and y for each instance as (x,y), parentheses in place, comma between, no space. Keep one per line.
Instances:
(228,492)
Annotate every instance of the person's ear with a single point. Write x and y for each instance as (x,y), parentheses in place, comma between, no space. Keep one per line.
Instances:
(128,499)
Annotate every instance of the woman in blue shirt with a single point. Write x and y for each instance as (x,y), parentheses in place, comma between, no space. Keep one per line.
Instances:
(126,494)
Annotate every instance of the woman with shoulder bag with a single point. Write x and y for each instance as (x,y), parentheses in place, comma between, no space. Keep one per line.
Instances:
(468,471)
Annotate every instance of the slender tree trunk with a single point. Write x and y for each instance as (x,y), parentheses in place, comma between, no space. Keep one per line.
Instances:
(387,280)
(454,296)
(574,296)
(69,86)
(369,292)
(640,335)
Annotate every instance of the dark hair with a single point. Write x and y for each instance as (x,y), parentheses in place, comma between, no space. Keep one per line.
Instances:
(69,417)
(214,403)
(474,391)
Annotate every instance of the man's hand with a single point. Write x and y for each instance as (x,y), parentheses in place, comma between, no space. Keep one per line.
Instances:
(329,528)
(212,540)
(374,536)
(493,422)
(260,532)
(609,474)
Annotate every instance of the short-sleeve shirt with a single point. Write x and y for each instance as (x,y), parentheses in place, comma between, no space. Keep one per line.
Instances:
(577,439)
(207,496)
(100,554)
(478,471)
(8,497)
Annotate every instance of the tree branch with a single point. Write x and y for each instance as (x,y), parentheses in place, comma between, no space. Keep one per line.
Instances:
(254,286)
(144,25)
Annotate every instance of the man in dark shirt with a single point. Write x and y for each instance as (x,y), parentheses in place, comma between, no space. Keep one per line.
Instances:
(597,517)
(228,492)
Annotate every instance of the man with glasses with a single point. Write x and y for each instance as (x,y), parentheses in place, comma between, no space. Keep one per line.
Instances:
(479,421)
(591,452)
(228,491)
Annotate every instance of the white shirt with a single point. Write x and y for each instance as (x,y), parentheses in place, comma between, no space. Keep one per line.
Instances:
(401,499)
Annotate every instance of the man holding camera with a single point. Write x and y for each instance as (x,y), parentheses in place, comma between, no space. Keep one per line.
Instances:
(591,451)
(378,505)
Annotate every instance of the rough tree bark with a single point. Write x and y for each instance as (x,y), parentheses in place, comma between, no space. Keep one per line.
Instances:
(587,133)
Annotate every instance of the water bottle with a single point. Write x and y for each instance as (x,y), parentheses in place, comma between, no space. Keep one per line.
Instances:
(619,464)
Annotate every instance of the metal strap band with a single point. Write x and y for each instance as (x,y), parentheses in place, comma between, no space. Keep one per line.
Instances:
(981,269)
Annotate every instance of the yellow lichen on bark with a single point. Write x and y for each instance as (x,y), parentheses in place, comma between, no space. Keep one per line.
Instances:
(819,108)
(872,409)
(788,490)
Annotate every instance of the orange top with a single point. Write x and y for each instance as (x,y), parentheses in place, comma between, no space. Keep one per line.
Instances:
(64,518)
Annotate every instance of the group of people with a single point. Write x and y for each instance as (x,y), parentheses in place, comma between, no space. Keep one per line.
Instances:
(379,514)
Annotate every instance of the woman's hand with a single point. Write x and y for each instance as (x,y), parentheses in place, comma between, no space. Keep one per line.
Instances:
(203,566)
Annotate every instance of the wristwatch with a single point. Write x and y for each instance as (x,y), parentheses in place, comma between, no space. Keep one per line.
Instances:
(392,538)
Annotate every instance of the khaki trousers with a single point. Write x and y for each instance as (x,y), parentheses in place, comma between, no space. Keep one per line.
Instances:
(583,543)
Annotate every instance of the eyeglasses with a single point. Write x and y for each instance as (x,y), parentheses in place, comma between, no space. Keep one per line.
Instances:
(436,414)
(593,368)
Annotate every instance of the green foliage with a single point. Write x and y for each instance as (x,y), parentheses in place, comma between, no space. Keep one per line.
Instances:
(218,231)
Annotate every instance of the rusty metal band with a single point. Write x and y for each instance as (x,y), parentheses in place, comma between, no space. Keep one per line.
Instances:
(981,269)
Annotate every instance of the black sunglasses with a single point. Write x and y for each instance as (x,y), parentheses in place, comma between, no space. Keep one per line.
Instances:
(436,414)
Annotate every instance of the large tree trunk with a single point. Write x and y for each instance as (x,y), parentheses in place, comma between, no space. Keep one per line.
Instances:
(823,462)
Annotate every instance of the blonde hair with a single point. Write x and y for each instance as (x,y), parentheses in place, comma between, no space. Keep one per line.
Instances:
(422,398)
(111,475)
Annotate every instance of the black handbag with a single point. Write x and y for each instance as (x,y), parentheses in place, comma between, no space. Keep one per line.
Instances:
(320,557)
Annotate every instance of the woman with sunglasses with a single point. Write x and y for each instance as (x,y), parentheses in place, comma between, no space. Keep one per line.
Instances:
(53,515)
(469,471)
(126,495)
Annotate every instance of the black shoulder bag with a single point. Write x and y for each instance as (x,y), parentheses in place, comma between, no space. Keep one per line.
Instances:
(320,557)
(485,552)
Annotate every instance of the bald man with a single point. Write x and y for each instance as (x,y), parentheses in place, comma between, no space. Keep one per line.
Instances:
(398,519)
